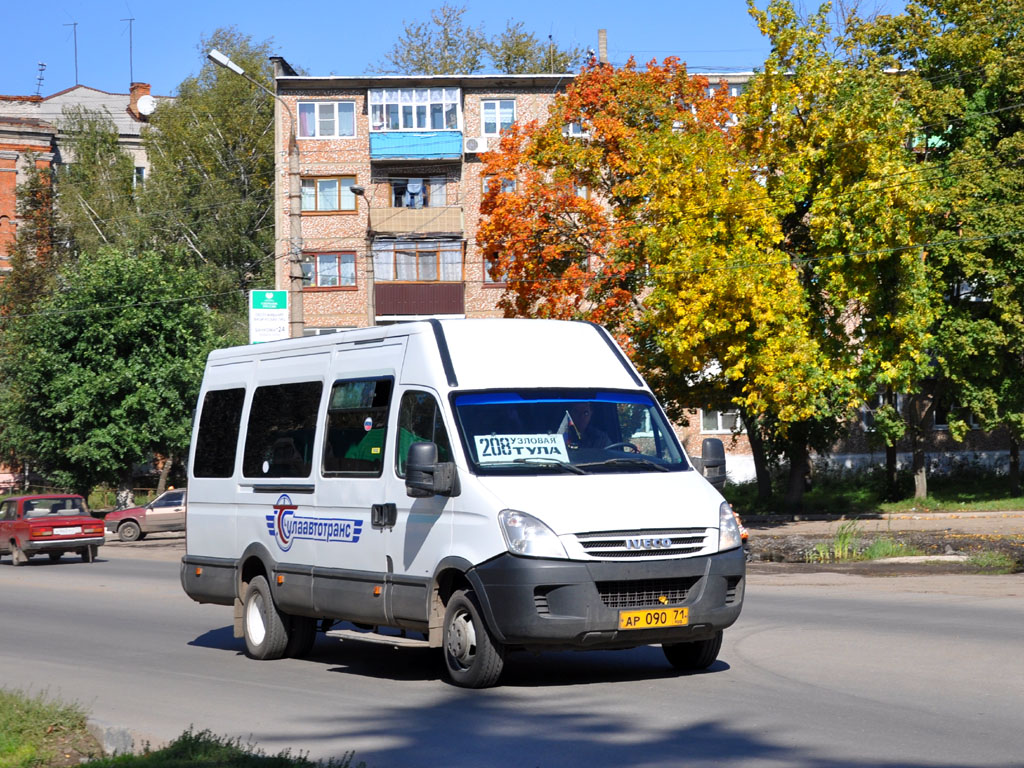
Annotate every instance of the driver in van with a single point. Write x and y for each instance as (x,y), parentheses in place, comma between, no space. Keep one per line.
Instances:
(581,432)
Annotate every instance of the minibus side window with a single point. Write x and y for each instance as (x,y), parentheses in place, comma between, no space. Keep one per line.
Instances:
(217,441)
(420,421)
(357,420)
(281,428)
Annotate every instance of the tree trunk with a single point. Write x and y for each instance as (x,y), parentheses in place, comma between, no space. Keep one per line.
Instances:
(125,497)
(891,491)
(1014,467)
(799,471)
(165,470)
(757,450)
(920,411)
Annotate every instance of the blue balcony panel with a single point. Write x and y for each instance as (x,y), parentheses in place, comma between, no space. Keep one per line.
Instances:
(416,145)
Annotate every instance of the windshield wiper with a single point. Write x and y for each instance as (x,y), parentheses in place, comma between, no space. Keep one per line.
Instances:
(627,461)
(549,462)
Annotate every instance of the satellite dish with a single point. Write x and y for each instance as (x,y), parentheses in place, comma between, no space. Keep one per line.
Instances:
(147,105)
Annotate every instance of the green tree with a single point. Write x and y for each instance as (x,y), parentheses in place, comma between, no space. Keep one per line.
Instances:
(95,185)
(33,257)
(964,69)
(518,52)
(105,371)
(445,45)
(209,197)
(828,128)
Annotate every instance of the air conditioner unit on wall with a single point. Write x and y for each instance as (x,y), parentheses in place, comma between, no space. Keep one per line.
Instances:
(474,145)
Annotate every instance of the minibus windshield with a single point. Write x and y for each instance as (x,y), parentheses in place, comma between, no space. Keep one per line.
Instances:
(566,430)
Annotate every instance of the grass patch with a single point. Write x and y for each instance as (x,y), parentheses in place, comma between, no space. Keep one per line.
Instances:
(203,749)
(993,562)
(864,492)
(847,546)
(36,731)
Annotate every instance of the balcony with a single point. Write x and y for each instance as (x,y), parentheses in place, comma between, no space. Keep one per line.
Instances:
(416,145)
(394,299)
(405,221)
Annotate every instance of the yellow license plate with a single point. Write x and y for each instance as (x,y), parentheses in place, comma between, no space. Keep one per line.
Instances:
(653,619)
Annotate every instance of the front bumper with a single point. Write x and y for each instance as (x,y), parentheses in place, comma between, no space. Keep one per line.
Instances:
(553,604)
(32,546)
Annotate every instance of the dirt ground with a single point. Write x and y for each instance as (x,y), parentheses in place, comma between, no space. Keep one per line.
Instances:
(947,541)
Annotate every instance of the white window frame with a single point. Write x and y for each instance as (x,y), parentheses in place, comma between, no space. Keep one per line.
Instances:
(718,419)
(315,182)
(434,191)
(390,267)
(394,110)
(943,426)
(495,105)
(320,108)
(312,264)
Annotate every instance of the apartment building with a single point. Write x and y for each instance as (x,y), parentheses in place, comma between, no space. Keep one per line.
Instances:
(30,128)
(390,179)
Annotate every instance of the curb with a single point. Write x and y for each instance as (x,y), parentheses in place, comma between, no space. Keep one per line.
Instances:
(117,740)
(753,520)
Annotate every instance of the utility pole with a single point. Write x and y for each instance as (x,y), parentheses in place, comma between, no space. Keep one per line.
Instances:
(74,30)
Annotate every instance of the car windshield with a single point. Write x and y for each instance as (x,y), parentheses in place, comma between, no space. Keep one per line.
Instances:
(567,430)
(41,507)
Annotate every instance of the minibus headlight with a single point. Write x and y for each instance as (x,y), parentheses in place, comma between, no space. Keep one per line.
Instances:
(729,536)
(526,535)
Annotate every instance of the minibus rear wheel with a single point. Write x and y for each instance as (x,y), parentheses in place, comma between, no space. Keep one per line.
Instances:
(695,656)
(471,655)
(266,635)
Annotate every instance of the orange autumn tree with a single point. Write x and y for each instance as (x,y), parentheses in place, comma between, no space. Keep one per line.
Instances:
(633,207)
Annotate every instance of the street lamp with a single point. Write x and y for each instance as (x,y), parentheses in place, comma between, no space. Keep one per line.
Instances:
(295,281)
(371,298)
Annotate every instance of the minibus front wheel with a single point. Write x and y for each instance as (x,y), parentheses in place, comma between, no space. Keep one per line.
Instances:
(472,657)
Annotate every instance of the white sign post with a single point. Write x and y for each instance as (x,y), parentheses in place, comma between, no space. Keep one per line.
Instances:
(268,316)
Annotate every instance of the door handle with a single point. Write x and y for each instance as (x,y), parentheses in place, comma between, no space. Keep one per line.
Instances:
(383,515)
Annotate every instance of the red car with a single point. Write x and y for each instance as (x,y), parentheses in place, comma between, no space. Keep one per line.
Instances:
(53,523)
(164,513)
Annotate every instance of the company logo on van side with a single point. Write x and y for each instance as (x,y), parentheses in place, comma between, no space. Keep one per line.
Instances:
(286,525)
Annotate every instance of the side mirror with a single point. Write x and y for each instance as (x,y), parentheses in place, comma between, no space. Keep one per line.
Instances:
(713,462)
(425,476)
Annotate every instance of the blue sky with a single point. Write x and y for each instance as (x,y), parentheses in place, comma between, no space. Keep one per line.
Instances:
(341,38)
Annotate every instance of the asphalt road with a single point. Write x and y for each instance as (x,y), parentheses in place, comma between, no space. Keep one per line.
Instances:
(821,670)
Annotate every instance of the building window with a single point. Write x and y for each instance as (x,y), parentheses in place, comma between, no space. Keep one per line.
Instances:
(415,109)
(329,270)
(332,193)
(496,115)
(720,421)
(575,130)
(419,193)
(508,186)
(942,412)
(140,177)
(327,119)
(490,276)
(418,261)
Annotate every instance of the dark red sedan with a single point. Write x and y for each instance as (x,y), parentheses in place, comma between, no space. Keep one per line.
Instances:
(52,523)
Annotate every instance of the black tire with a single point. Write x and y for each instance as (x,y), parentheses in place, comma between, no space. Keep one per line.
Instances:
(129,530)
(18,555)
(472,657)
(89,554)
(693,657)
(301,637)
(54,556)
(266,634)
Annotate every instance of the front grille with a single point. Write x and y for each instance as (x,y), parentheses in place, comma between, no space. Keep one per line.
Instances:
(645,594)
(629,545)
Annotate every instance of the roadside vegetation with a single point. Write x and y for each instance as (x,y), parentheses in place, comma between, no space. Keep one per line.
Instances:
(38,732)
(867,492)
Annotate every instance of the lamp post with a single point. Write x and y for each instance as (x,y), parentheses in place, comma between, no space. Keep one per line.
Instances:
(295,281)
(371,290)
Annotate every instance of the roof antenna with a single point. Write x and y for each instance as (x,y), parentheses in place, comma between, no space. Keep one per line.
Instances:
(39,79)
(74,30)
(131,70)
